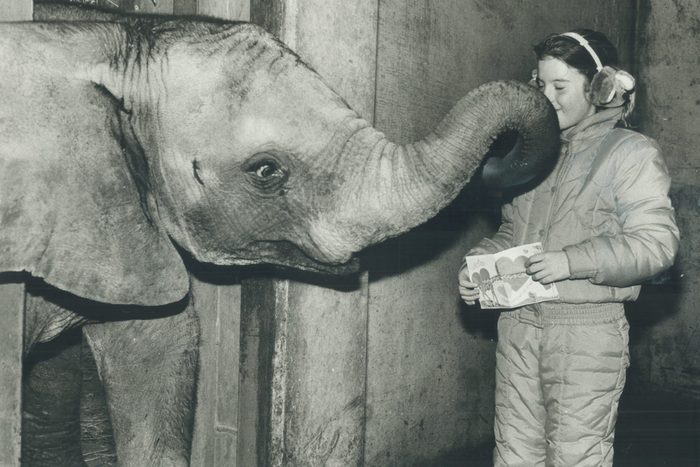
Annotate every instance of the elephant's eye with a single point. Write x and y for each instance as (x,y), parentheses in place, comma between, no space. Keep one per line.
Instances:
(265,172)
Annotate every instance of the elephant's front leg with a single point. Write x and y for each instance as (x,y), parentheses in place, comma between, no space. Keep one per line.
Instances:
(52,379)
(51,402)
(148,369)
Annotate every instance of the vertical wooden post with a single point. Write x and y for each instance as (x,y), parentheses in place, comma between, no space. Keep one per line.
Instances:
(217,302)
(11,342)
(154,6)
(17,10)
(11,323)
(238,10)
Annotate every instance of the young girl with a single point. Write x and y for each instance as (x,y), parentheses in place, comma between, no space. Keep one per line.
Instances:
(606,224)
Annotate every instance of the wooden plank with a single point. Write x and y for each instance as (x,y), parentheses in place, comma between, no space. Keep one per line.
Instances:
(227,9)
(260,307)
(154,6)
(205,300)
(11,341)
(184,7)
(12,323)
(217,301)
(227,371)
(16,10)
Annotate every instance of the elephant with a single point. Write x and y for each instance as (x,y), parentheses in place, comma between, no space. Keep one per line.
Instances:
(129,142)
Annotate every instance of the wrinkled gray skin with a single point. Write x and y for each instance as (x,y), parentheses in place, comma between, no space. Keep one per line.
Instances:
(119,139)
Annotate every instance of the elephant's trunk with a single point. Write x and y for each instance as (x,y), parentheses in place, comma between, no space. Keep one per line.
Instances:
(403,186)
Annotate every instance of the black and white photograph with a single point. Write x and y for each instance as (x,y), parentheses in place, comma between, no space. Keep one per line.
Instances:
(349,233)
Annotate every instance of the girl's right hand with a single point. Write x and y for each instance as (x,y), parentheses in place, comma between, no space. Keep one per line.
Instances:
(468,290)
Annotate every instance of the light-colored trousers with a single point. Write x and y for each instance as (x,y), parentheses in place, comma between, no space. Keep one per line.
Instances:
(558,384)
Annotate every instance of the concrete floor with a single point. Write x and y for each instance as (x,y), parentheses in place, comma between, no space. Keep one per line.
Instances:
(653,430)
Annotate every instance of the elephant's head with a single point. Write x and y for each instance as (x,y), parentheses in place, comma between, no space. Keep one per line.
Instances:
(218,138)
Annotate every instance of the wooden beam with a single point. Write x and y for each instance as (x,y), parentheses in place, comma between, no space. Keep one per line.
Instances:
(185,7)
(17,10)
(216,420)
(238,10)
(154,6)
(11,342)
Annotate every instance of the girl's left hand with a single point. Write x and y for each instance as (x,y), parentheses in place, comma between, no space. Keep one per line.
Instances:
(548,267)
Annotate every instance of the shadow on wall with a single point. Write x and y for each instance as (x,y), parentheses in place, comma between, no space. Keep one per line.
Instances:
(233,275)
(476,205)
(399,255)
(476,209)
(478,322)
(656,303)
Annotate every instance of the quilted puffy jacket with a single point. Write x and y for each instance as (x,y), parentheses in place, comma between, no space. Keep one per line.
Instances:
(606,205)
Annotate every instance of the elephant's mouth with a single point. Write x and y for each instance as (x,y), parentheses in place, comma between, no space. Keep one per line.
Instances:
(286,254)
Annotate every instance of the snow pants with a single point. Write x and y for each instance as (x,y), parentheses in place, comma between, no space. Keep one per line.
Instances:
(560,371)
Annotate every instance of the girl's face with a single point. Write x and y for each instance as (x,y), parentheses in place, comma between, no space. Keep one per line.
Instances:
(565,87)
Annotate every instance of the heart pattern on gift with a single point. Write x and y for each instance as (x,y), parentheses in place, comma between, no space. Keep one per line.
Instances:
(481,276)
(507,266)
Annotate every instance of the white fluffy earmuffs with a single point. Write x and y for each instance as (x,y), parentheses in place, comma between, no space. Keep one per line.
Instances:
(611,87)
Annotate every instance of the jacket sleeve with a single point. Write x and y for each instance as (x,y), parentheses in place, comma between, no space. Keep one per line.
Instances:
(501,240)
(648,241)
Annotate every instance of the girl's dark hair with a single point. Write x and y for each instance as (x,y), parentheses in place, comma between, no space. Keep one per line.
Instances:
(573,54)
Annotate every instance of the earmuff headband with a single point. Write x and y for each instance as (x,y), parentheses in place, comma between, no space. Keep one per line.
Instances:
(584,43)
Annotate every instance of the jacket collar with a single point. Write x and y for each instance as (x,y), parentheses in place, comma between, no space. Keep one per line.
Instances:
(592,128)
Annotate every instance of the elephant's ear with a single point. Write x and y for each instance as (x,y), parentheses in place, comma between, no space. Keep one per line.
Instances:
(70,210)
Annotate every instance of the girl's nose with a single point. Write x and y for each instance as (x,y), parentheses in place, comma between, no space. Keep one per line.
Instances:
(549,94)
